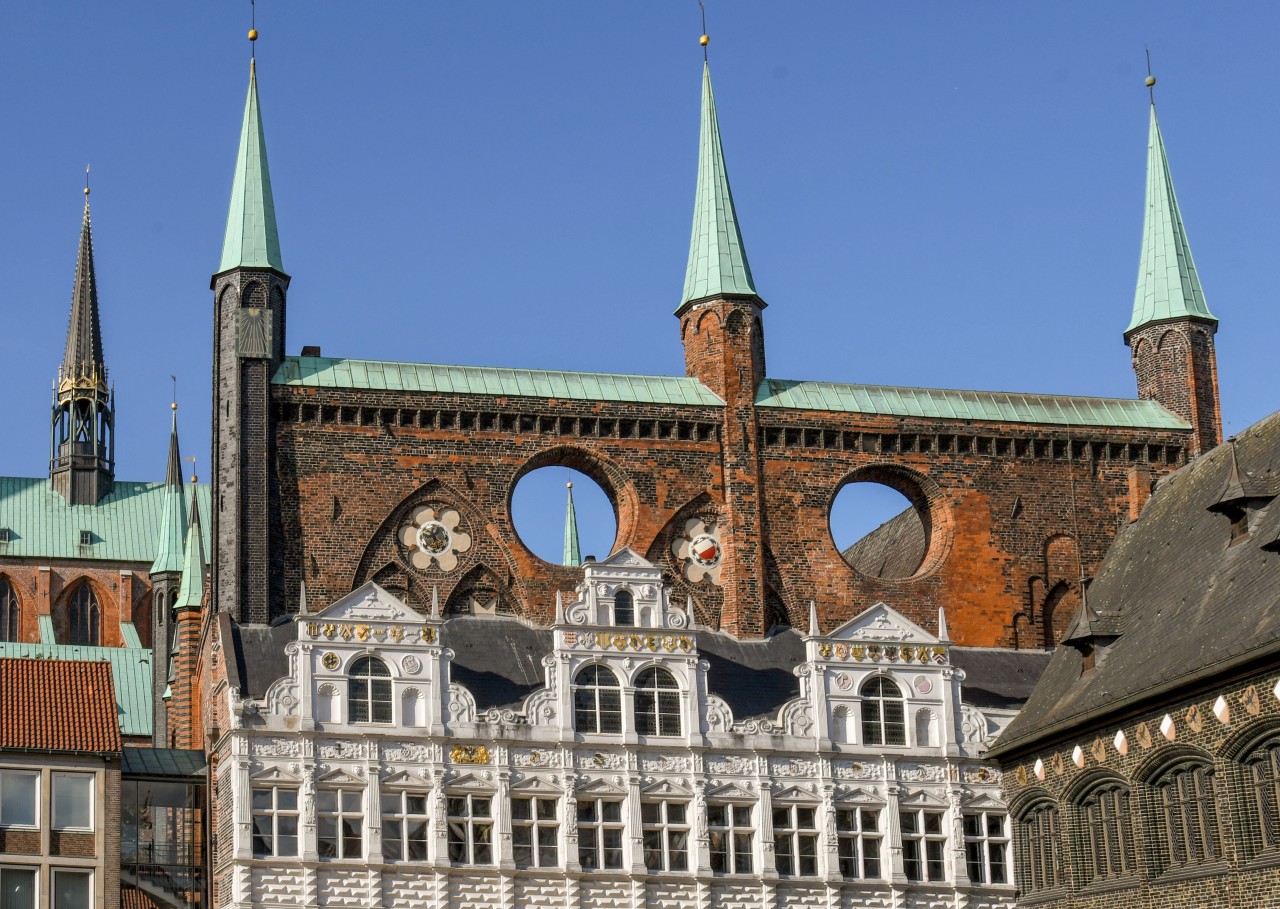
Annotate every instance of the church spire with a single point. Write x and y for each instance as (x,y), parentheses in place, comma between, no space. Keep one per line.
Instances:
(251,239)
(572,551)
(173,523)
(83,357)
(717,258)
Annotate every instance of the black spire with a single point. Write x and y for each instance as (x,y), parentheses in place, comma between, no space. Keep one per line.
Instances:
(84,334)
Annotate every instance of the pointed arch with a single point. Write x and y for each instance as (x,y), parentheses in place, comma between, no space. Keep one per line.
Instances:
(481,592)
(10,610)
(83,614)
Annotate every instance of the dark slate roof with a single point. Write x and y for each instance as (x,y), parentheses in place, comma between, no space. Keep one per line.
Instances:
(499,660)
(168,762)
(754,677)
(998,678)
(1188,604)
(895,549)
(259,654)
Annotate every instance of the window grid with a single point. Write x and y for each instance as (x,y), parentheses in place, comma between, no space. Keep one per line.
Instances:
(600,831)
(404,826)
(1040,867)
(883,713)
(275,821)
(1264,779)
(924,843)
(1189,816)
(9,612)
(470,829)
(795,840)
(535,832)
(986,847)
(597,701)
(731,833)
(1107,835)
(665,830)
(369,691)
(860,838)
(84,614)
(624,611)
(657,703)
(339,817)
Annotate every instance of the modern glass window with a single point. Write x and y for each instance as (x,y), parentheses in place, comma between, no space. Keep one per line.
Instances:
(19,791)
(883,714)
(84,615)
(731,834)
(339,819)
(369,691)
(404,826)
(470,829)
(17,888)
(535,832)
(275,821)
(1106,835)
(1039,849)
(597,701)
(859,842)
(600,830)
(624,610)
(1188,817)
(9,613)
(924,845)
(72,889)
(657,703)
(72,801)
(986,847)
(1263,793)
(795,840)
(665,829)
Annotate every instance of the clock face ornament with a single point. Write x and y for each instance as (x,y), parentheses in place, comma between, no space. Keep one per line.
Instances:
(699,550)
(433,538)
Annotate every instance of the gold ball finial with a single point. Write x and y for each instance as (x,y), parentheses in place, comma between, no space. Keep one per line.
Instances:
(704,40)
(1150,81)
(86,190)
(570,484)
(253,34)
(173,406)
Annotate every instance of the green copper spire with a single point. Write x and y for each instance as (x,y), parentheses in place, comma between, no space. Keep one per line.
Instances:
(251,240)
(717,258)
(1168,286)
(173,523)
(572,552)
(191,592)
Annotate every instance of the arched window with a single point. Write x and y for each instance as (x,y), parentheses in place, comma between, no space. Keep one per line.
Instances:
(597,701)
(883,716)
(1039,863)
(657,703)
(85,616)
(8,611)
(1106,834)
(1262,795)
(369,691)
(624,611)
(1186,821)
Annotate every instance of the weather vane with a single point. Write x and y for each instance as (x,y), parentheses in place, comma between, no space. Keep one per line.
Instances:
(705,39)
(253,27)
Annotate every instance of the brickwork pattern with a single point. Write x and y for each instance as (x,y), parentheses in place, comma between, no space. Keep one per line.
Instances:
(123,591)
(1176,365)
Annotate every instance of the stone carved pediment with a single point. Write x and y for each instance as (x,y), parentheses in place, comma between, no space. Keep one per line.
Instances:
(667,787)
(405,779)
(274,775)
(882,624)
(368,603)
(601,788)
(731,792)
(923,798)
(340,778)
(859,795)
(796,794)
(536,785)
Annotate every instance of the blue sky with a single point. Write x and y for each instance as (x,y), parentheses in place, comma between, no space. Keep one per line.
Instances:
(931,193)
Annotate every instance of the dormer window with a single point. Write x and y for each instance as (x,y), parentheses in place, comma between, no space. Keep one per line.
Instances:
(1239,517)
(624,610)
(86,538)
(4,534)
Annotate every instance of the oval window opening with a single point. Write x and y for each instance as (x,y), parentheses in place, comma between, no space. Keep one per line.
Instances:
(878,531)
(539,508)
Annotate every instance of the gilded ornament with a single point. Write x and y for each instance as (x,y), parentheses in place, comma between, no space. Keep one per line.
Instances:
(362,632)
(469,754)
(330,661)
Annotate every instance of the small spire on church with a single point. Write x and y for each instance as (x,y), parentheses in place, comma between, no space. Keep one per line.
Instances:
(559,619)
(814,628)
(435,601)
(194,566)
(572,551)
(302,585)
(171,542)
(943,633)
(83,357)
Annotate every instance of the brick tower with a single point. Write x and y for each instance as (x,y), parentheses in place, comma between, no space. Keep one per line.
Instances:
(1171,332)
(249,292)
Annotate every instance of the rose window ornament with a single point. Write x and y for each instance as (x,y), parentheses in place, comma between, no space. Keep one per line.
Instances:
(698,548)
(434,539)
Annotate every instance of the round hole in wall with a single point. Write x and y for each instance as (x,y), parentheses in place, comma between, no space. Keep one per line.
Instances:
(539,511)
(883,524)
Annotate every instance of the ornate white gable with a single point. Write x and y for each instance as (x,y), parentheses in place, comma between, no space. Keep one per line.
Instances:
(536,785)
(368,603)
(881,624)
(600,788)
(731,792)
(405,779)
(275,775)
(340,778)
(667,787)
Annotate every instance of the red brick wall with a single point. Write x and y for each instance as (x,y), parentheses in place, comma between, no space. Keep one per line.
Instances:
(121,596)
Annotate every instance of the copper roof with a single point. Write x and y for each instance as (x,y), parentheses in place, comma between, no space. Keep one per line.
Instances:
(57,705)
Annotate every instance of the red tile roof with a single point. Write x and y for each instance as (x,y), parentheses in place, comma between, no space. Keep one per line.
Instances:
(58,705)
(132,898)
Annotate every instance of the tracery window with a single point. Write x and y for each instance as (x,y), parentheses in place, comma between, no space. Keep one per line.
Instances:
(1187,816)
(795,840)
(1039,856)
(85,616)
(9,612)
(624,610)
(1106,834)
(369,691)
(597,701)
(883,715)
(657,703)
(1262,793)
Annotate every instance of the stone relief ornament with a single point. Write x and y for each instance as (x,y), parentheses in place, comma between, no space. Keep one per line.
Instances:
(699,550)
(980,775)
(663,763)
(340,749)
(462,706)
(921,773)
(797,719)
(330,661)
(406,752)
(973,724)
(411,665)
(469,754)
(434,539)
(731,763)
(1249,699)
(276,748)
(1143,735)
(608,760)
(793,767)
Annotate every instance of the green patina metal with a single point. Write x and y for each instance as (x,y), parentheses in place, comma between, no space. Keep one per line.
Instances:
(1168,285)
(130,672)
(717,257)
(251,240)
(948,404)
(191,591)
(326,372)
(572,551)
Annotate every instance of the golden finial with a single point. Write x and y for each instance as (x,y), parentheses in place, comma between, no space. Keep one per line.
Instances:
(173,406)
(1150,81)
(570,484)
(86,181)
(704,40)
(192,459)
(253,28)
(253,34)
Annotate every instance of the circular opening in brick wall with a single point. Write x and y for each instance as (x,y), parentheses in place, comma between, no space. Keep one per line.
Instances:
(539,511)
(884,525)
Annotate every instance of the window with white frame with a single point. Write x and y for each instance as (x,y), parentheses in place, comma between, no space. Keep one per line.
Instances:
(657,703)
(883,715)
(731,834)
(986,847)
(275,821)
(665,830)
(72,889)
(924,845)
(17,888)
(600,830)
(369,691)
(19,794)
(795,840)
(535,832)
(624,610)
(339,823)
(859,842)
(597,701)
(404,826)
(470,829)
(72,801)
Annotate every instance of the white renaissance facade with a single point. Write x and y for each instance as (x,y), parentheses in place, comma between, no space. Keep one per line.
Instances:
(367,777)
